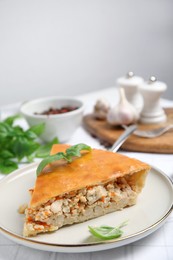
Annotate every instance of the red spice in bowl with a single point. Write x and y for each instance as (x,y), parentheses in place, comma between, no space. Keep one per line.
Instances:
(56,111)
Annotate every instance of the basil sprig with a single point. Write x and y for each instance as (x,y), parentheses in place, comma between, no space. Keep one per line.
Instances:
(73,151)
(107,232)
(17,144)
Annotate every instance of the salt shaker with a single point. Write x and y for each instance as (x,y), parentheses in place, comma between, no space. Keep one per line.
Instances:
(152,111)
(131,84)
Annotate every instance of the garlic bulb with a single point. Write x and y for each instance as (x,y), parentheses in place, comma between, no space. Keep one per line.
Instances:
(122,114)
(101,108)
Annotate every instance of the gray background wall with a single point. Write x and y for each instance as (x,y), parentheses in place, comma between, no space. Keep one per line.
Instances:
(69,47)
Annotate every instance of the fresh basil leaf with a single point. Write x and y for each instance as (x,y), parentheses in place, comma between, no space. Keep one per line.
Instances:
(22,147)
(37,129)
(5,130)
(107,232)
(44,150)
(8,166)
(103,233)
(18,131)
(30,158)
(49,159)
(73,151)
(10,120)
(5,154)
(30,135)
(76,149)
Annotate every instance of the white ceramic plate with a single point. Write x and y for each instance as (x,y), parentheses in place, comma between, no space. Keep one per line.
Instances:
(154,205)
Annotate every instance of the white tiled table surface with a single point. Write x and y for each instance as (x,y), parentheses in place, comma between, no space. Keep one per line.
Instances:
(158,245)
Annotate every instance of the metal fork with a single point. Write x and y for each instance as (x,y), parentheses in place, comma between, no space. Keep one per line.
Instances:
(152,133)
(128,131)
(133,130)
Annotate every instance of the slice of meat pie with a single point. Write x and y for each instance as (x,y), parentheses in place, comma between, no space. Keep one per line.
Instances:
(90,186)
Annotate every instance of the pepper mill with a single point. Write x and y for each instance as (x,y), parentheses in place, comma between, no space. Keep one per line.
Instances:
(131,84)
(152,111)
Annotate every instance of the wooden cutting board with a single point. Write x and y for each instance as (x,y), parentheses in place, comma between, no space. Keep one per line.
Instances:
(108,134)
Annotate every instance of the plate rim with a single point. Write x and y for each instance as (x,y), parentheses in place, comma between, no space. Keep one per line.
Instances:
(41,244)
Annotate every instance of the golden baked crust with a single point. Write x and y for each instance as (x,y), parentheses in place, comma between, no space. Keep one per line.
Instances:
(92,168)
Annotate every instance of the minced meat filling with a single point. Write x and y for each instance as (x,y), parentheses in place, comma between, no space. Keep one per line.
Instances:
(58,210)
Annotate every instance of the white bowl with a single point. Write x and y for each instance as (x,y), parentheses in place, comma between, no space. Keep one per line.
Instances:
(59,125)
